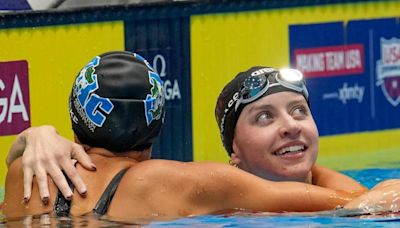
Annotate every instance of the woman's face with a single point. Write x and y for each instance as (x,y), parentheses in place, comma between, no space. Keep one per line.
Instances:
(276,138)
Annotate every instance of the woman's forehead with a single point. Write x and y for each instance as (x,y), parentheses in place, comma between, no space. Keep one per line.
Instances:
(275,100)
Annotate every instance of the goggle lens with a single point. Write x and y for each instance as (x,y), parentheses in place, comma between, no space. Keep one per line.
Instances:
(257,85)
(253,85)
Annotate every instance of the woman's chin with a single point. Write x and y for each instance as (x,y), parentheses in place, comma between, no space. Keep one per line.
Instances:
(295,175)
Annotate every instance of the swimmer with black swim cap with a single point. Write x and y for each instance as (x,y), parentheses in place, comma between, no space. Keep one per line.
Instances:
(266,124)
(248,87)
(117,103)
(267,128)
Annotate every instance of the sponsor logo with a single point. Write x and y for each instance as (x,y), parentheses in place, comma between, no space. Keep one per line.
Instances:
(171,87)
(262,71)
(346,93)
(231,102)
(388,70)
(330,61)
(91,107)
(14,97)
(155,100)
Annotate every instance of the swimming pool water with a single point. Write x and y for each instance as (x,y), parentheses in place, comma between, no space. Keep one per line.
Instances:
(265,220)
(368,177)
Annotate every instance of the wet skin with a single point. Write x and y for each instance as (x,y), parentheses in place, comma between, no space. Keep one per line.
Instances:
(276,138)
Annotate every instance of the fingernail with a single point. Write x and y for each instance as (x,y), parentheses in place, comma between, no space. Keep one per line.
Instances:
(45,200)
(93,167)
(68,197)
(26,199)
(84,193)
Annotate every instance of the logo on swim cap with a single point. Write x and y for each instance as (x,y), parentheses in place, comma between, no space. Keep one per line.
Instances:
(264,70)
(90,106)
(143,60)
(155,100)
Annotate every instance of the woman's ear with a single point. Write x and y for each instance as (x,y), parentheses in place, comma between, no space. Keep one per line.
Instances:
(76,139)
(235,154)
(235,160)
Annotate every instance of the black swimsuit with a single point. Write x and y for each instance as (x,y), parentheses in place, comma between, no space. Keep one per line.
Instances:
(62,206)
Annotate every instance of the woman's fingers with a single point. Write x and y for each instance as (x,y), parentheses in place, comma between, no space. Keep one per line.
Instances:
(59,179)
(41,178)
(69,169)
(46,152)
(28,176)
(82,157)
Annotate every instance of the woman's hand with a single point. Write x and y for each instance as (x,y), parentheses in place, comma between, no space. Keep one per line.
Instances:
(46,152)
(384,197)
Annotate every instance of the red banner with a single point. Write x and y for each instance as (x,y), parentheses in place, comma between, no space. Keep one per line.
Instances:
(14,97)
(330,61)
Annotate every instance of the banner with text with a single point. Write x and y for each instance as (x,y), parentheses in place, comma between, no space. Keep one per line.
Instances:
(352,71)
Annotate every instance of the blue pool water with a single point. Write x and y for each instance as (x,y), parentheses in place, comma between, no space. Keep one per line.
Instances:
(368,177)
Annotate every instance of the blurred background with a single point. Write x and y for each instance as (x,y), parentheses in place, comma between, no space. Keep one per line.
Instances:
(16,5)
(349,51)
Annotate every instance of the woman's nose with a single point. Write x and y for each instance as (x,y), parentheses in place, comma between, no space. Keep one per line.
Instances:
(289,127)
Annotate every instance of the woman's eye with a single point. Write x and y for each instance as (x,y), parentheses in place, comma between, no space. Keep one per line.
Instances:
(300,111)
(263,117)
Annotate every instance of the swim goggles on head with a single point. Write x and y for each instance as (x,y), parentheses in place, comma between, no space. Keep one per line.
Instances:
(261,80)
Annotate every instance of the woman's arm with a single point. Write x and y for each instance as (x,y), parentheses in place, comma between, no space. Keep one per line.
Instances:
(45,151)
(169,189)
(384,197)
(328,178)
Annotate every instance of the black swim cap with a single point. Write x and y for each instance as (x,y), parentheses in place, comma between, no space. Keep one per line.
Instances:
(230,102)
(117,102)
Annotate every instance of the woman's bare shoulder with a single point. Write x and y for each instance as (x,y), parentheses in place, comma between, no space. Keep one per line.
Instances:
(14,205)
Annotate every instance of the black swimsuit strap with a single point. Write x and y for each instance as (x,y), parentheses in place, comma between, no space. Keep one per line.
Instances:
(62,206)
(108,194)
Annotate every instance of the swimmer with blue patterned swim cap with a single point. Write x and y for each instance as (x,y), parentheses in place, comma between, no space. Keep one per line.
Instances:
(116,107)
(127,185)
(117,103)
